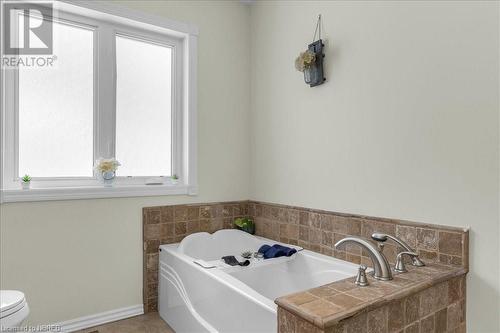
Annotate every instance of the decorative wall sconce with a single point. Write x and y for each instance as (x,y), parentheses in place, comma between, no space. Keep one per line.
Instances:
(310,62)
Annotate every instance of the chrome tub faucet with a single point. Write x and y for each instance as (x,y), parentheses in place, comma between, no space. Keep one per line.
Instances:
(382,270)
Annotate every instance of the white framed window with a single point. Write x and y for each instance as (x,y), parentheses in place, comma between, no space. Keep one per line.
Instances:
(122,85)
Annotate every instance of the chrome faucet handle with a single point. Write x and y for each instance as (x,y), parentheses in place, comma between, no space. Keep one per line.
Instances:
(380,237)
(361,279)
(400,263)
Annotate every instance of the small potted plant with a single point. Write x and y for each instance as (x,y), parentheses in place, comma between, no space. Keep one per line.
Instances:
(245,224)
(26,182)
(106,170)
(174,179)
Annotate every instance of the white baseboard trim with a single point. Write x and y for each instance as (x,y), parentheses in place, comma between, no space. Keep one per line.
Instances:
(100,318)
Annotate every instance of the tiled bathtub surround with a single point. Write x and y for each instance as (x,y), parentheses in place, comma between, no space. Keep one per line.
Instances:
(318,231)
(426,299)
(170,224)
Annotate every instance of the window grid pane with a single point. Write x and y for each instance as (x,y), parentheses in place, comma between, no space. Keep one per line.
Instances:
(143,108)
(56,109)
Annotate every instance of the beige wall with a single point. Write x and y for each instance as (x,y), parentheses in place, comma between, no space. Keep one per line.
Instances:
(406,127)
(77,258)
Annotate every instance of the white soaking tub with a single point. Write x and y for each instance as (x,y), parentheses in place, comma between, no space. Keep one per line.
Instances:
(198,292)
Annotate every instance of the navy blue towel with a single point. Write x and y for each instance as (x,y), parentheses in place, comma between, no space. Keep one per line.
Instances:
(276,251)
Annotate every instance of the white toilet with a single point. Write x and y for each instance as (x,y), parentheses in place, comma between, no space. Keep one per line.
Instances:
(13,310)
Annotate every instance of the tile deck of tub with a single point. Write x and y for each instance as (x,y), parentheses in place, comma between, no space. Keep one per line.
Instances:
(328,305)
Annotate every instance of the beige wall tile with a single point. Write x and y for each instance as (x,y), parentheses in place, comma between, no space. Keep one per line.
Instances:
(286,321)
(455,315)
(320,307)
(427,324)
(412,308)
(167,214)
(407,234)
(377,320)
(180,213)
(153,215)
(357,324)
(427,239)
(413,328)
(344,301)
(434,298)
(450,243)
(441,321)
(396,315)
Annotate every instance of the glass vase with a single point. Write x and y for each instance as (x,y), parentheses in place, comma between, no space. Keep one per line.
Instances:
(108,178)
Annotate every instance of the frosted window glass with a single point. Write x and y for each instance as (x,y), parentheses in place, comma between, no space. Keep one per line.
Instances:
(56,109)
(143,108)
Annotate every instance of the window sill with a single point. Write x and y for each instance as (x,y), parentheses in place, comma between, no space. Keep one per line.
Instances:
(93,192)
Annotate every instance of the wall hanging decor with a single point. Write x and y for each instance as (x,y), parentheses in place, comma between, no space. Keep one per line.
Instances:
(310,62)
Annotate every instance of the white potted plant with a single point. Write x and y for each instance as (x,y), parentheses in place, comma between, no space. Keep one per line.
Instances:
(106,170)
(26,182)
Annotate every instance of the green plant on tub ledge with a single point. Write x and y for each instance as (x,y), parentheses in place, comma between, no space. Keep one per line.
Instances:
(245,224)
(25,182)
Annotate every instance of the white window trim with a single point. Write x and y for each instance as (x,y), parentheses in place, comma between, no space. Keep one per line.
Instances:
(185,128)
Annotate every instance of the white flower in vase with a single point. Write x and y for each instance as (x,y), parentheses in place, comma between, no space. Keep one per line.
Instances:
(106,169)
